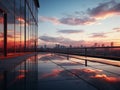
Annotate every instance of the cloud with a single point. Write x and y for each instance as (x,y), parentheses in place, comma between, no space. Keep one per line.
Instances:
(90,16)
(9,35)
(49,19)
(104,10)
(77,20)
(70,31)
(116,29)
(60,40)
(68,20)
(98,35)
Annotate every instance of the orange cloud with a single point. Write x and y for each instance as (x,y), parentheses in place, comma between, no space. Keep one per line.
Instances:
(106,78)
(54,73)
(96,74)
(104,15)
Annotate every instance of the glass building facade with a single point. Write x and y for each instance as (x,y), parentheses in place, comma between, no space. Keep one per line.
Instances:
(18,26)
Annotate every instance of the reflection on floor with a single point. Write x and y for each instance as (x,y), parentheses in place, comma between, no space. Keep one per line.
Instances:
(46,71)
(21,77)
(55,72)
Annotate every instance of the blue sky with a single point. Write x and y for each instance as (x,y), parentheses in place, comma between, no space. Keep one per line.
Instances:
(79,22)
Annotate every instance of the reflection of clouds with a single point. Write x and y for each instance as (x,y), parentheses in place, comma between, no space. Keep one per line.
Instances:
(106,78)
(54,73)
(21,76)
(22,71)
(21,19)
(96,74)
(41,56)
(8,35)
(32,59)
(90,70)
(1,20)
(85,73)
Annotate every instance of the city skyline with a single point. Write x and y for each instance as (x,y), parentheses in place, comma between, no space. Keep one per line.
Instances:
(79,22)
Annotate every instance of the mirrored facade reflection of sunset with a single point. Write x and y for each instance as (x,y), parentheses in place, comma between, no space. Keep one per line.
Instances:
(18,26)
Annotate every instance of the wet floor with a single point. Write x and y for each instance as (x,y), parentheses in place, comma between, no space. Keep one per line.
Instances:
(55,72)
(23,76)
(47,71)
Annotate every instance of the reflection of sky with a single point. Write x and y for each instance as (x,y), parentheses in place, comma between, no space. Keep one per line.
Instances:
(85,73)
(59,69)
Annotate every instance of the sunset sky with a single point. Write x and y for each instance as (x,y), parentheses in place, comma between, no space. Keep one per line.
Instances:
(79,22)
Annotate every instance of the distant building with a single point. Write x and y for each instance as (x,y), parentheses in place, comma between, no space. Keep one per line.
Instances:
(45,46)
(18,25)
(70,46)
(95,44)
(111,44)
(57,46)
(81,46)
(103,45)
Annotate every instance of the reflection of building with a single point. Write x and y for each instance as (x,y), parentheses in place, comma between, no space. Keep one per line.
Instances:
(18,25)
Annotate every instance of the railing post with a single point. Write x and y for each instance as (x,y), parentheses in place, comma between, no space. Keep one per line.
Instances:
(86,62)
(5,34)
(67,53)
(85,56)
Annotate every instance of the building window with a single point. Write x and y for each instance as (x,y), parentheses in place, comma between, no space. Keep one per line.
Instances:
(21,26)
